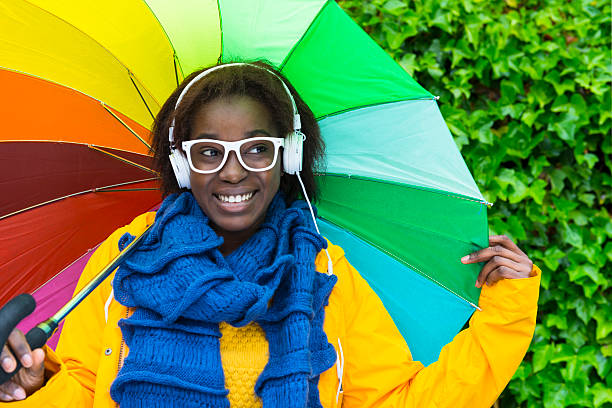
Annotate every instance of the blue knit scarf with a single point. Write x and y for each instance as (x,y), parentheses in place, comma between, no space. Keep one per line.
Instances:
(182,287)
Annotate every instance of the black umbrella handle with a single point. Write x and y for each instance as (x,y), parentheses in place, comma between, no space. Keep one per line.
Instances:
(10,315)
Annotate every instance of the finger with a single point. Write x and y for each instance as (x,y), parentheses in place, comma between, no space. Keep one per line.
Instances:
(37,371)
(13,391)
(499,273)
(7,360)
(485,254)
(497,261)
(506,242)
(18,343)
(5,397)
(490,266)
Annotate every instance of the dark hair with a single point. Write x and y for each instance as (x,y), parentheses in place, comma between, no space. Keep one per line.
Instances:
(238,80)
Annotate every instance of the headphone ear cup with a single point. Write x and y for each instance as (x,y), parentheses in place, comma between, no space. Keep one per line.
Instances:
(292,152)
(180,165)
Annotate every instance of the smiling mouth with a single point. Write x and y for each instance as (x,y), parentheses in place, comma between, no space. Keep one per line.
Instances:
(235,199)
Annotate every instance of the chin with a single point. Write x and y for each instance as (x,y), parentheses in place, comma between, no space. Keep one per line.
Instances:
(234,226)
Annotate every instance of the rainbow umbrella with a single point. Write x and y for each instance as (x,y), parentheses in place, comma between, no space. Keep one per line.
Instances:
(82,82)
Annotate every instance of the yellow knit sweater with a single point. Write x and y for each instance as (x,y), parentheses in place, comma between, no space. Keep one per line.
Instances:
(244,354)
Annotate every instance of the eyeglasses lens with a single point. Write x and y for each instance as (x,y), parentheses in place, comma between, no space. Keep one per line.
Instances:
(256,154)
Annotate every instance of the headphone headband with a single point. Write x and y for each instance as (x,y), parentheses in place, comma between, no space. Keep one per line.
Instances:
(297,125)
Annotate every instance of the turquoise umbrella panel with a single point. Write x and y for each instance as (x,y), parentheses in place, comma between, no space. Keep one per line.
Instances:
(405,142)
(427,315)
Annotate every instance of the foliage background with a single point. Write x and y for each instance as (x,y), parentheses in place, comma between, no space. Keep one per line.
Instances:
(525,89)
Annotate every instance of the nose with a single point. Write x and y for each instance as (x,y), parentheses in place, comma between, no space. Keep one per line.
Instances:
(232,171)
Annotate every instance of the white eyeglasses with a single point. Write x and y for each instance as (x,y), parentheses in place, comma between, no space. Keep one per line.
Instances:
(207,156)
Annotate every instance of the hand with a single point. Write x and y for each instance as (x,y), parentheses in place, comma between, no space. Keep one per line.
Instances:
(504,260)
(30,377)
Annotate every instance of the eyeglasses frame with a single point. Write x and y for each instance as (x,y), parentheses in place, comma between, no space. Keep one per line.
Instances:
(233,147)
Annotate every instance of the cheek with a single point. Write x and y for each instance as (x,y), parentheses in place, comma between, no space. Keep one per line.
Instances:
(274,180)
(199,182)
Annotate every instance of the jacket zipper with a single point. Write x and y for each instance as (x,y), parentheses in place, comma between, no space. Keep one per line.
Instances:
(120,360)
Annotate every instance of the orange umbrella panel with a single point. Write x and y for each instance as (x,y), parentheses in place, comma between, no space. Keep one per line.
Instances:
(36,109)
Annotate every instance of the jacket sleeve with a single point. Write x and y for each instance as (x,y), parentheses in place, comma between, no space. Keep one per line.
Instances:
(73,366)
(471,371)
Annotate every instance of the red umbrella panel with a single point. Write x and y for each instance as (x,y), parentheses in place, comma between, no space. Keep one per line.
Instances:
(72,170)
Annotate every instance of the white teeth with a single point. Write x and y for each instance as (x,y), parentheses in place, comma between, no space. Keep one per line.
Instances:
(235,198)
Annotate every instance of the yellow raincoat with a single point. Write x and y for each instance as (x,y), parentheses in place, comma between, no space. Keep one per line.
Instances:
(375,365)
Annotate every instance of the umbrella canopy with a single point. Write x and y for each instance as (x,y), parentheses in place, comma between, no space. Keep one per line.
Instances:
(82,82)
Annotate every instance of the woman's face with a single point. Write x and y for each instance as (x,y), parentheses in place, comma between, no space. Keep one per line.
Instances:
(231,119)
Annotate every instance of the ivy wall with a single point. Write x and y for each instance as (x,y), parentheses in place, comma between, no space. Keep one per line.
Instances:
(525,87)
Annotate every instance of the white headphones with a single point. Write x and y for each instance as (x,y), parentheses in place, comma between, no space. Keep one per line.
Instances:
(292,149)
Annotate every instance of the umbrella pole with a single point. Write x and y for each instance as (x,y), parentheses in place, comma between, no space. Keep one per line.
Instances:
(22,305)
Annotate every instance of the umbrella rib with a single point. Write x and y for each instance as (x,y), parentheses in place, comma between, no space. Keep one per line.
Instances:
(221,48)
(420,272)
(161,26)
(428,189)
(131,74)
(92,190)
(369,105)
(125,124)
(176,65)
(72,143)
(131,163)
(105,49)
(297,43)
(113,190)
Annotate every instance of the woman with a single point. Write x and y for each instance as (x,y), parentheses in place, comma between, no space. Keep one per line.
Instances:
(234,289)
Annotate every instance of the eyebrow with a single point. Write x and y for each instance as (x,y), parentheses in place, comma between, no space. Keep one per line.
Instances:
(251,133)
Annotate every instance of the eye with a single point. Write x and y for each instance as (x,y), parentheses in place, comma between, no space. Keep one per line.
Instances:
(209,152)
(257,149)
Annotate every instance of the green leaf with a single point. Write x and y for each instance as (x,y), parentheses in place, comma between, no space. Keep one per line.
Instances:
(555,395)
(579,218)
(602,364)
(564,205)
(556,179)
(565,128)
(604,323)
(608,251)
(563,352)
(560,86)
(557,321)
(394,5)
(536,164)
(552,257)
(590,159)
(587,198)
(409,63)
(601,395)
(537,190)
(571,235)
(542,93)
(542,356)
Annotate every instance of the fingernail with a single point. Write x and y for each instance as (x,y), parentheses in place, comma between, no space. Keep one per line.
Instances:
(26,360)
(6,364)
(465,258)
(476,284)
(19,394)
